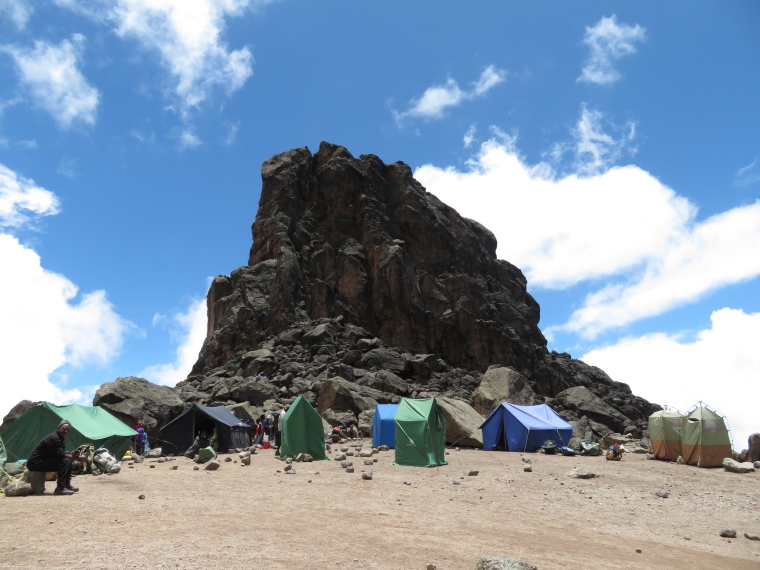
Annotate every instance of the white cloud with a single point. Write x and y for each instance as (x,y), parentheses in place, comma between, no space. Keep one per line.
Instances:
(702,257)
(45,328)
(68,167)
(748,175)
(622,231)
(18,11)
(561,231)
(192,332)
(186,35)
(437,99)
(232,131)
(593,148)
(720,367)
(469,137)
(608,42)
(51,76)
(187,139)
(22,201)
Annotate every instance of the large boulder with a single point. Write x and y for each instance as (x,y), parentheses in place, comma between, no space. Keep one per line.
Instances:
(736,467)
(753,447)
(16,412)
(134,400)
(343,396)
(502,384)
(243,389)
(584,402)
(462,423)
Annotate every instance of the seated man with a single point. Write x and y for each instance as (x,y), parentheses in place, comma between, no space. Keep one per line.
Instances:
(50,455)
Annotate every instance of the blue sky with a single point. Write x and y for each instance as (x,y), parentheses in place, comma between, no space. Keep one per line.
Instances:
(613,149)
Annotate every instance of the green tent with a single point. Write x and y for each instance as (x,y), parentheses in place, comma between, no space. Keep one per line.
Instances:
(665,429)
(302,431)
(420,433)
(704,439)
(88,425)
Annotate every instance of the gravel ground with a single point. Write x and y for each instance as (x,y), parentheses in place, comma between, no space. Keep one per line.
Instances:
(257,516)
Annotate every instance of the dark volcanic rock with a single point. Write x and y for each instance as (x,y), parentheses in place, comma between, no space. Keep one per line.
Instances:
(339,236)
(361,287)
(16,412)
(134,399)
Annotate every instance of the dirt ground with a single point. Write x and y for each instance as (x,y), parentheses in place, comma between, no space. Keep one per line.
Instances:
(257,516)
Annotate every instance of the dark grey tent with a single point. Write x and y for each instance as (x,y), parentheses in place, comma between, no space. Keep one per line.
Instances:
(178,434)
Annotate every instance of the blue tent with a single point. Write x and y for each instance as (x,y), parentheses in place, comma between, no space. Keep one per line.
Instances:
(383,427)
(524,428)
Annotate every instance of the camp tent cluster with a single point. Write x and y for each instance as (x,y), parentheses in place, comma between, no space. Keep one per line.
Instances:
(701,436)
(88,425)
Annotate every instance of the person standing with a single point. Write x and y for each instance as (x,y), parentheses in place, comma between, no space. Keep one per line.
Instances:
(278,434)
(50,455)
(259,434)
(141,441)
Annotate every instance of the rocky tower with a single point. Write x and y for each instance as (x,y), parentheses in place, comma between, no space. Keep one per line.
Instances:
(338,236)
(359,277)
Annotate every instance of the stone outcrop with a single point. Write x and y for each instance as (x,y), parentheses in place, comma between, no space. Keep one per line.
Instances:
(363,288)
(134,399)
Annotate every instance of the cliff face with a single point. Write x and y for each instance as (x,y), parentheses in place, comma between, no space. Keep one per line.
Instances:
(339,236)
(357,273)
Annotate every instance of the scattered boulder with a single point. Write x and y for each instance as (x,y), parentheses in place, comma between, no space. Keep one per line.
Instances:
(728,533)
(17,488)
(212,465)
(580,473)
(462,422)
(501,562)
(367,476)
(735,467)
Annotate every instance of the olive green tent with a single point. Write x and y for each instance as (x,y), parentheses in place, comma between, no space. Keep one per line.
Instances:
(88,425)
(302,431)
(704,439)
(420,433)
(665,429)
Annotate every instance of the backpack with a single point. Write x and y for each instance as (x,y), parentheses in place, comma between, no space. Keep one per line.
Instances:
(86,450)
(105,462)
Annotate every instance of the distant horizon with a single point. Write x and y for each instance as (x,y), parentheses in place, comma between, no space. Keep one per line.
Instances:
(613,150)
